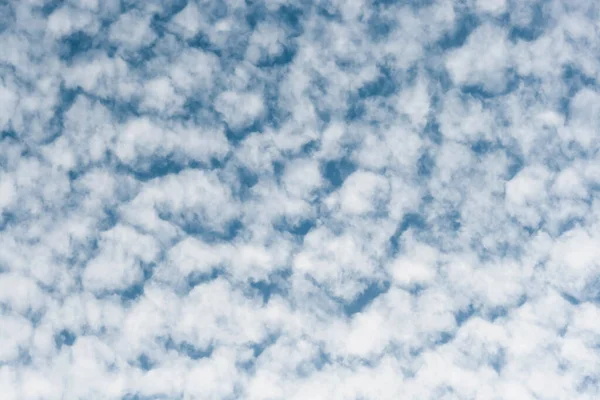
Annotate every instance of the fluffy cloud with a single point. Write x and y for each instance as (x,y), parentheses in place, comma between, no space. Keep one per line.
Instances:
(290,200)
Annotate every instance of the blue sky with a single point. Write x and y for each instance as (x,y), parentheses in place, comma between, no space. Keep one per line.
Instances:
(299,200)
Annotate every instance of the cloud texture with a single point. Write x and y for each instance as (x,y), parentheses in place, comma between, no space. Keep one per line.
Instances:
(299,199)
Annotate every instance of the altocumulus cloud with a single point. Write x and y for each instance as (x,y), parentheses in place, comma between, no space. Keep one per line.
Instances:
(278,199)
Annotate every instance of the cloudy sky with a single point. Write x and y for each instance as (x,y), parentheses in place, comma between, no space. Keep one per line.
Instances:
(273,199)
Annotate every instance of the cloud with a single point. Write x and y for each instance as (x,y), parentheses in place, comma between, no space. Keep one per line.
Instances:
(132,30)
(482,60)
(325,200)
(239,110)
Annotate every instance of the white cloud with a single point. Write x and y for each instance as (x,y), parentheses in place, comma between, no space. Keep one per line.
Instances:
(266,41)
(66,20)
(415,103)
(14,334)
(302,178)
(193,72)
(9,100)
(573,262)
(117,264)
(409,209)
(188,20)
(494,7)
(584,117)
(339,262)
(525,191)
(161,96)
(363,192)
(415,268)
(239,110)
(483,59)
(132,30)
(8,192)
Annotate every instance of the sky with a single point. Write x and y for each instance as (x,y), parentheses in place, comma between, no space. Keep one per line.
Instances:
(273,199)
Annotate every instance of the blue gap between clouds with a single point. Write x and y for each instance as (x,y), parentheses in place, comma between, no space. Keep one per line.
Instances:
(465,25)
(498,360)
(442,338)
(373,290)
(463,315)
(198,108)
(575,80)
(591,290)
(194,279)
(384,85)
(7,16)
(158,167)
(516,164)
(425,165)
(260,347)
(64,338)
(109,219)
(275,115)
(571,299)
(310,147)
(160,20)
(257,349)
(9,134)
(495,313)
(589,384)
(231,231)
(187,349)
(276,283)
(236,135)
(50,6)
(134,291)
(247,179)
(432,130)
(451,221)
(534,29)
(409,220)
(379,25)
(195,225)
(7,219)
(66,99)
(336,171)
(145,363)
(481,147)
(83,251)
(121,111)
(570,224)
(201,41)
(290,16)
(75,44)
(297,228)
(256,12)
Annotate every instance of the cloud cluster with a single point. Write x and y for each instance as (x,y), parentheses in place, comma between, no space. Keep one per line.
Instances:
(299,200)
